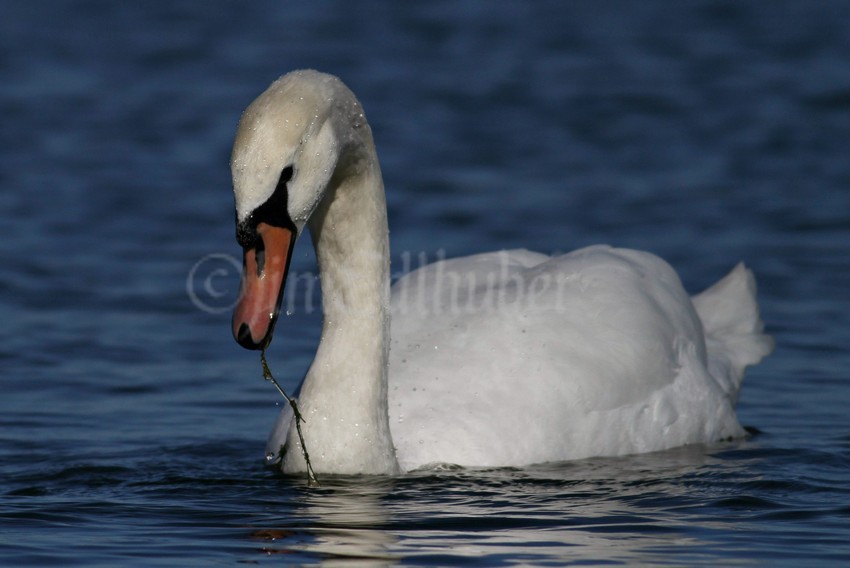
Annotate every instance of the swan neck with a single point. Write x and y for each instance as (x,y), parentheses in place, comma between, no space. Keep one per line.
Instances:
(345,392)
(350,236)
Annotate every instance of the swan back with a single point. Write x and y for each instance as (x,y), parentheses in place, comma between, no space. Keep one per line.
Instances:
(513,357)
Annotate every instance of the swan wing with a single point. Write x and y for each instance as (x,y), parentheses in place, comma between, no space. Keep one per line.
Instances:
(515,357)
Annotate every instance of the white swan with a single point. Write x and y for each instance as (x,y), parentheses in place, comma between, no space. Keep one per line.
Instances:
(499,359)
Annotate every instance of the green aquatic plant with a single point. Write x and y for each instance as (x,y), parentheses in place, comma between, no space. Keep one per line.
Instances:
(312,480)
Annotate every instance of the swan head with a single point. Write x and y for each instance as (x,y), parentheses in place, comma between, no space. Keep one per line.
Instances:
(286,149)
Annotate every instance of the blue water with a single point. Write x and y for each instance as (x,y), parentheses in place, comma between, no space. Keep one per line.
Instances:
(132,426)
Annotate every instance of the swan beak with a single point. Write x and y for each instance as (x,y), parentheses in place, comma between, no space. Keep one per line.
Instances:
(264,269)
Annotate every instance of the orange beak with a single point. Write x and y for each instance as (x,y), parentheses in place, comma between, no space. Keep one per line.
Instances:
(264,271)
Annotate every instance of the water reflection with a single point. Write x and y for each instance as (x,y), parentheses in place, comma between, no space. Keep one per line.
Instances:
(612,509)
(344,521)
(601,510)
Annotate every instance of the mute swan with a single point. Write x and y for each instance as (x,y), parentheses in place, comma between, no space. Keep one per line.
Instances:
(498,359)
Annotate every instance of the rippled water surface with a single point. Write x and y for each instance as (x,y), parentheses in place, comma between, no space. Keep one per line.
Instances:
(132,427)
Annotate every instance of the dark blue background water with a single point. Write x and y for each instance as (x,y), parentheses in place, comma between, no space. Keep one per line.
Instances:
(131,425)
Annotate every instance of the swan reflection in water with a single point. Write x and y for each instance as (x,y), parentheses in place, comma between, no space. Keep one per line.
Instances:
(600,509)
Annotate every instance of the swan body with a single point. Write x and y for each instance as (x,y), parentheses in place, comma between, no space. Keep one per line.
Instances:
(498,359)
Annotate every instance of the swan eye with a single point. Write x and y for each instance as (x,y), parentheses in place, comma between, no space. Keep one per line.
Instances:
(273,212)
(285,176)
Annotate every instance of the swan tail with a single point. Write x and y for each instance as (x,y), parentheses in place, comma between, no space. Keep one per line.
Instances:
(733,328)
